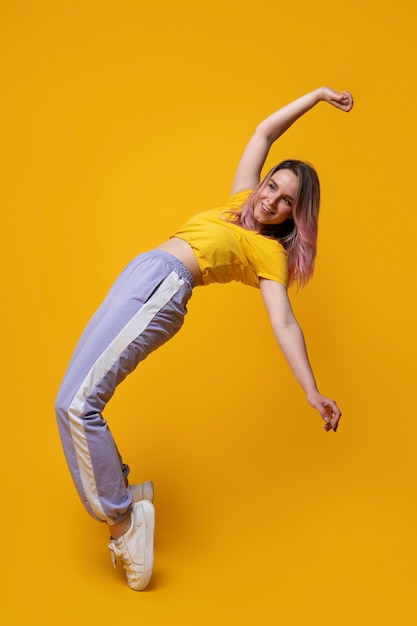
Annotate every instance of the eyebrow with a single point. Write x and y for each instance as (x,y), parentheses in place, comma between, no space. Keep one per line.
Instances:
(287,195)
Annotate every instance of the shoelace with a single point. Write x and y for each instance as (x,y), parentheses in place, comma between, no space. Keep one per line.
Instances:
(113,557)
(113,553)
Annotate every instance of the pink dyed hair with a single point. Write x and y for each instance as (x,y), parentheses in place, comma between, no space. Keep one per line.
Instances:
(298,235)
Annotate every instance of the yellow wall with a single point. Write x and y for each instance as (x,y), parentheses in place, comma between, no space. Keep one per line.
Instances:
(118,121)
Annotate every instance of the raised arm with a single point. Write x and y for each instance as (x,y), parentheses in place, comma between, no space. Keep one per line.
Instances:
(253,158)
(291,341)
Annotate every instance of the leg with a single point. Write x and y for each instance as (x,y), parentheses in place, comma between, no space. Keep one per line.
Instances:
(144,309)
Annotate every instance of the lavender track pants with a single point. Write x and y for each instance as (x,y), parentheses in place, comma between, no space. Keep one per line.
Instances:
(144,308)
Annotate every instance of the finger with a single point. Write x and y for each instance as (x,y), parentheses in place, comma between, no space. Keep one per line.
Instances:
(336,422)
(327,422)
(332,414)
(329,411)
(344,106)
(348,100)
(344,101)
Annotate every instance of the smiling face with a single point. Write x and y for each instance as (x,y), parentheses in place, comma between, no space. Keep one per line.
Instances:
(275,200)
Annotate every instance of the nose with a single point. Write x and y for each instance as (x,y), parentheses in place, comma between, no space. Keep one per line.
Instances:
(272,197)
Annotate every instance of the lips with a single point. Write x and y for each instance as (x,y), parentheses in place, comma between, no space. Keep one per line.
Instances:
(266,210)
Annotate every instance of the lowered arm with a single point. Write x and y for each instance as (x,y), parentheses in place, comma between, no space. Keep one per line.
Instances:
(291,341)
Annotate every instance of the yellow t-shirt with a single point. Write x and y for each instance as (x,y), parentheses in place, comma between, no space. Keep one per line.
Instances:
(225,251)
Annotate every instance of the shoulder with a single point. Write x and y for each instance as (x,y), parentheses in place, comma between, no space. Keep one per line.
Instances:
(236,200)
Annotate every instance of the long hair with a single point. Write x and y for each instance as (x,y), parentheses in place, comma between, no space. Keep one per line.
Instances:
(298,235)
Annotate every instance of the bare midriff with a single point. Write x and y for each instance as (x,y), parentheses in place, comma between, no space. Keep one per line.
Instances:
(183,251)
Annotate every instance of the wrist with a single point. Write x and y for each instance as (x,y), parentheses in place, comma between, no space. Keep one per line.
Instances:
(311,394)
(320,93)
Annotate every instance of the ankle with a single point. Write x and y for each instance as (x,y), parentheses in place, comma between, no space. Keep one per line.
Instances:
(119,529)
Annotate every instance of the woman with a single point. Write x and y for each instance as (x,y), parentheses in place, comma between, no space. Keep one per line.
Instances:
(265,238)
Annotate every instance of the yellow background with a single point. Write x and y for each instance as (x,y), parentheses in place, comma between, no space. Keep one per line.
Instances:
(119,119)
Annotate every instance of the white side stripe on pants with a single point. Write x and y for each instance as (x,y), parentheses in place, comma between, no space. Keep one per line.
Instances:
(129,333)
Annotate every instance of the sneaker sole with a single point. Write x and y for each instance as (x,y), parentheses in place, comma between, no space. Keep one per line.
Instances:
(144,491)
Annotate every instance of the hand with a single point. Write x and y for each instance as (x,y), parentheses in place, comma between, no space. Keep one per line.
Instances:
(342,100)
(328,410)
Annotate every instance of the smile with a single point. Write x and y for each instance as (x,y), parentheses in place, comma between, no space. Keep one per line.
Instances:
(266,210)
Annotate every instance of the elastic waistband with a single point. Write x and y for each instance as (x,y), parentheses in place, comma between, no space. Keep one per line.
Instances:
(174,264)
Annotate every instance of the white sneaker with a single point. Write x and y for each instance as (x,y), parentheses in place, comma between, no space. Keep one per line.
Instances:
(144,491)
(135,547)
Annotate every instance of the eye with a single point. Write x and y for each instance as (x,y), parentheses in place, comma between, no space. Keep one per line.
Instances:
(287,201)
(271,186)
